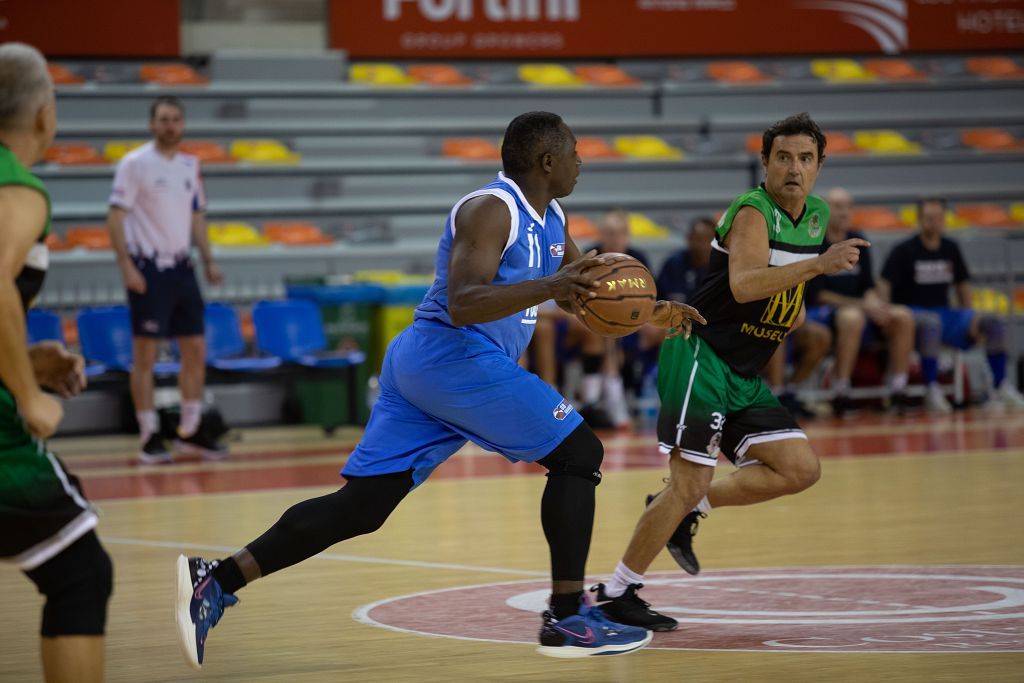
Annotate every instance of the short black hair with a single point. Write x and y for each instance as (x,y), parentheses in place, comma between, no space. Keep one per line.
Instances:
(798,124)
(528,137)
(165,99)
(933,199)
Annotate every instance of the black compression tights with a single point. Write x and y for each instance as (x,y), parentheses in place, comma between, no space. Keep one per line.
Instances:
(307,528)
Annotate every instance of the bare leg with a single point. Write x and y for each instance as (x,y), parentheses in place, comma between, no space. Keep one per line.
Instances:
(900,333)
(776,368)
(544,352)
(73,659)
(193,367)
(813,342)
(688,483)
(850,322)
(144,350)
(786,467)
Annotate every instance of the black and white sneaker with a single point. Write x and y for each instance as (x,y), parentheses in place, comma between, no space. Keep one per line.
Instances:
(630,609)
(154,451)
(680,545)
(200,443)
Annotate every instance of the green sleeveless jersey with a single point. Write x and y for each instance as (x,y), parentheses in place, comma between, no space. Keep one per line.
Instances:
(30,280)
(746,335)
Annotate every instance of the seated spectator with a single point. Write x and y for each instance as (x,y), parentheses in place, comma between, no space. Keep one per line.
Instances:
(602,390)
(849,305)
(918,274)
(809,341)
(684,269)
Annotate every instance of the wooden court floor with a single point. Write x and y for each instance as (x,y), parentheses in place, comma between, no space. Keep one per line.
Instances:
(914,536)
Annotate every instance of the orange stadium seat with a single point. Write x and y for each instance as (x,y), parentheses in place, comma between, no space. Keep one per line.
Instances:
(62,75)
(985,215)
(74,154)
(69,326)
(171,74)
(55,243)
(581,227)
(995,67)
(876,218)
(596,148)
(471,149)
(607,75)
(88,237)
(438,74)
(894,69)
(737,72)
(754,141)
(991,140)
(297,233)
(840,143)
(208,151)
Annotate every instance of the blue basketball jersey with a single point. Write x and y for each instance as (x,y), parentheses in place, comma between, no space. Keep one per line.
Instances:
(534,249)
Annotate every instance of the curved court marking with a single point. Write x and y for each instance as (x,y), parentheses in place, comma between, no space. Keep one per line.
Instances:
(952,616)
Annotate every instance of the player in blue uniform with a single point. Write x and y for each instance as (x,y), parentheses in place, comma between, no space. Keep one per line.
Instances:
(452,377)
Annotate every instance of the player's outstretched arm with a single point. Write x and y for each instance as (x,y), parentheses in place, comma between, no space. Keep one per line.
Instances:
(750,276)
(23,215)
(482,228)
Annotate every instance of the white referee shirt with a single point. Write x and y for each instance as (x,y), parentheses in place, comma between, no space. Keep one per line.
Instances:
(159,196)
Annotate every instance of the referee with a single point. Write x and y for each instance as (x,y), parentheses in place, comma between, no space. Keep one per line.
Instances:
(155,216)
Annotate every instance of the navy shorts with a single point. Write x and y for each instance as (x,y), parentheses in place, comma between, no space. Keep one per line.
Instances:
(441,387)
(172,305)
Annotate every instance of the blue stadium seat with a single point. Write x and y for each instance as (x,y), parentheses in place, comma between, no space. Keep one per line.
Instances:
(46,326)
(43,326)
(106,337)
(293,330)
(225,347)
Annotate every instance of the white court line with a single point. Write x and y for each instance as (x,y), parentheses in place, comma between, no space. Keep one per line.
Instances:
(330,556)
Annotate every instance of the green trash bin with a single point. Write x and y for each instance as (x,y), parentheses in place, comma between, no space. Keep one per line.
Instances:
(347,312)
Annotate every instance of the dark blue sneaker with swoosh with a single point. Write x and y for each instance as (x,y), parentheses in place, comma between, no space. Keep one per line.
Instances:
(589,632)
(199,605)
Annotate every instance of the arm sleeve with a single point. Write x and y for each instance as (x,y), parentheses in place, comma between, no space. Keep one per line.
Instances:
(199,198)
(895,263)
(960,272)
(126,185)
(866,277)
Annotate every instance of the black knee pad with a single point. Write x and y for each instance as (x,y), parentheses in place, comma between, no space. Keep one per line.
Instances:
(579,455)
(77,584)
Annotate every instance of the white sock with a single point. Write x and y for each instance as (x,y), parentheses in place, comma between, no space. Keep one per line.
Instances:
(621,580)
(147,423)
(191,413)
(703,506)
(590,389)
(898,382)
(842,386)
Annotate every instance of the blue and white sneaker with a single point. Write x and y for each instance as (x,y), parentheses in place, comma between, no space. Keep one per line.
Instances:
(589,632)
(199,605)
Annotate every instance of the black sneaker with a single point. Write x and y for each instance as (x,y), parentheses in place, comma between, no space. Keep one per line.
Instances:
(795,406)
(899,403)
(680,545)
(154,451)
(841,405)
(201,443)
(630,609)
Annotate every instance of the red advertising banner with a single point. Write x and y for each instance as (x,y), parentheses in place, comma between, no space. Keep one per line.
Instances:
(94,28)
(636,28)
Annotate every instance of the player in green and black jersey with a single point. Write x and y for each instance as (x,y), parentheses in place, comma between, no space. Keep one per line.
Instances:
(713,400)
(47,525)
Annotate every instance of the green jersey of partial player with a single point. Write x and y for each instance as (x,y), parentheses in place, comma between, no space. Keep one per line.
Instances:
(30,280)
(746,335)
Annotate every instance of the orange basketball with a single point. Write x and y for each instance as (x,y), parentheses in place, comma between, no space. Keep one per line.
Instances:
(624,302)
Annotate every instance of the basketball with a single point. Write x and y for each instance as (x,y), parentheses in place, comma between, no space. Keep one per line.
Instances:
(625,300)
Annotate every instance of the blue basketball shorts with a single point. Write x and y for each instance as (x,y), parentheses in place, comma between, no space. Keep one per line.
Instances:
(956,325)
(441,387)
(172,305)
